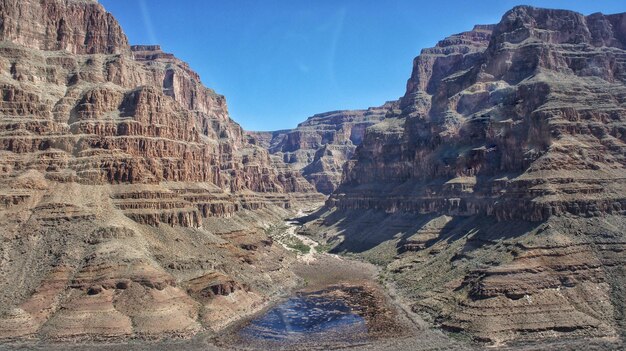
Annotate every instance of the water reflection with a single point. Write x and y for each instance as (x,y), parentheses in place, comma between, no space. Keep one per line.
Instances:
(308,316)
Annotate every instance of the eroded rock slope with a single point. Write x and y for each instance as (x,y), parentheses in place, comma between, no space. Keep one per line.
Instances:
(130,203)
(496,198)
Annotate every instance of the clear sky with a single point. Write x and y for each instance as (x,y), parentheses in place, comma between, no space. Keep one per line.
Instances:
(281,61)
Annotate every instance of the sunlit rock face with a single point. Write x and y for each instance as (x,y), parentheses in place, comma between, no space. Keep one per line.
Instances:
(515,133)
(76,26)
(130,202)
(321,146)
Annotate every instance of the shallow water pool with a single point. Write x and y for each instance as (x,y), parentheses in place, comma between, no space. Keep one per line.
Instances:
(308,316)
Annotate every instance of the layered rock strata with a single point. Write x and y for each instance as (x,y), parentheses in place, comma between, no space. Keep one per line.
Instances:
(131,205)
(496,198)
(321,146)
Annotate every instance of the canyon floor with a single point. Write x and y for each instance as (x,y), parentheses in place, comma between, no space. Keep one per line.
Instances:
(391,323)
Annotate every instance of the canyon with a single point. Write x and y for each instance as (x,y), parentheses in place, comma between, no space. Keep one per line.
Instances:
(486,206)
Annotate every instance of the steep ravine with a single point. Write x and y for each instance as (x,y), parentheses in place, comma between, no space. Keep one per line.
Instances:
(320,146)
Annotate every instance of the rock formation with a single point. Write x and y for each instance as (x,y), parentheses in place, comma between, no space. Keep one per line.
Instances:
(130,203)
(496,198)
(320,146)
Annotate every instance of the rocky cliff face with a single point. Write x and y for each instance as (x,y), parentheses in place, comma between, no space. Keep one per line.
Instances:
(320,146)
(503,179)
(131,204)
(76,26)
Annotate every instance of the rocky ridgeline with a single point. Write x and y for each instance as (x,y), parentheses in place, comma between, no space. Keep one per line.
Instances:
(130,203)
(320,146)
(503,179)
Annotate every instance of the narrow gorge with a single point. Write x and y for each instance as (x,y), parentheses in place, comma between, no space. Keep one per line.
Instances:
(485,207)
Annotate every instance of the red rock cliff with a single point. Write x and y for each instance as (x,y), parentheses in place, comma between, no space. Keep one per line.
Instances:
(320,146)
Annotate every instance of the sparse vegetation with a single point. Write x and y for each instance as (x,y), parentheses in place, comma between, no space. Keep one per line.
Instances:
(325,247)
(299,246)
(281,234)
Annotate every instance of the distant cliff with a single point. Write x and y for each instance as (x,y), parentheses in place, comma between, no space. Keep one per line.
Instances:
(320,146)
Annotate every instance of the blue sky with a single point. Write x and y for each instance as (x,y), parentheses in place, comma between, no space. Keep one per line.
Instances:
(281,61)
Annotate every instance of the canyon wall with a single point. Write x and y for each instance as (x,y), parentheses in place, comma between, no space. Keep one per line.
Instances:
(130,203)
(496,197)
(320,146)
